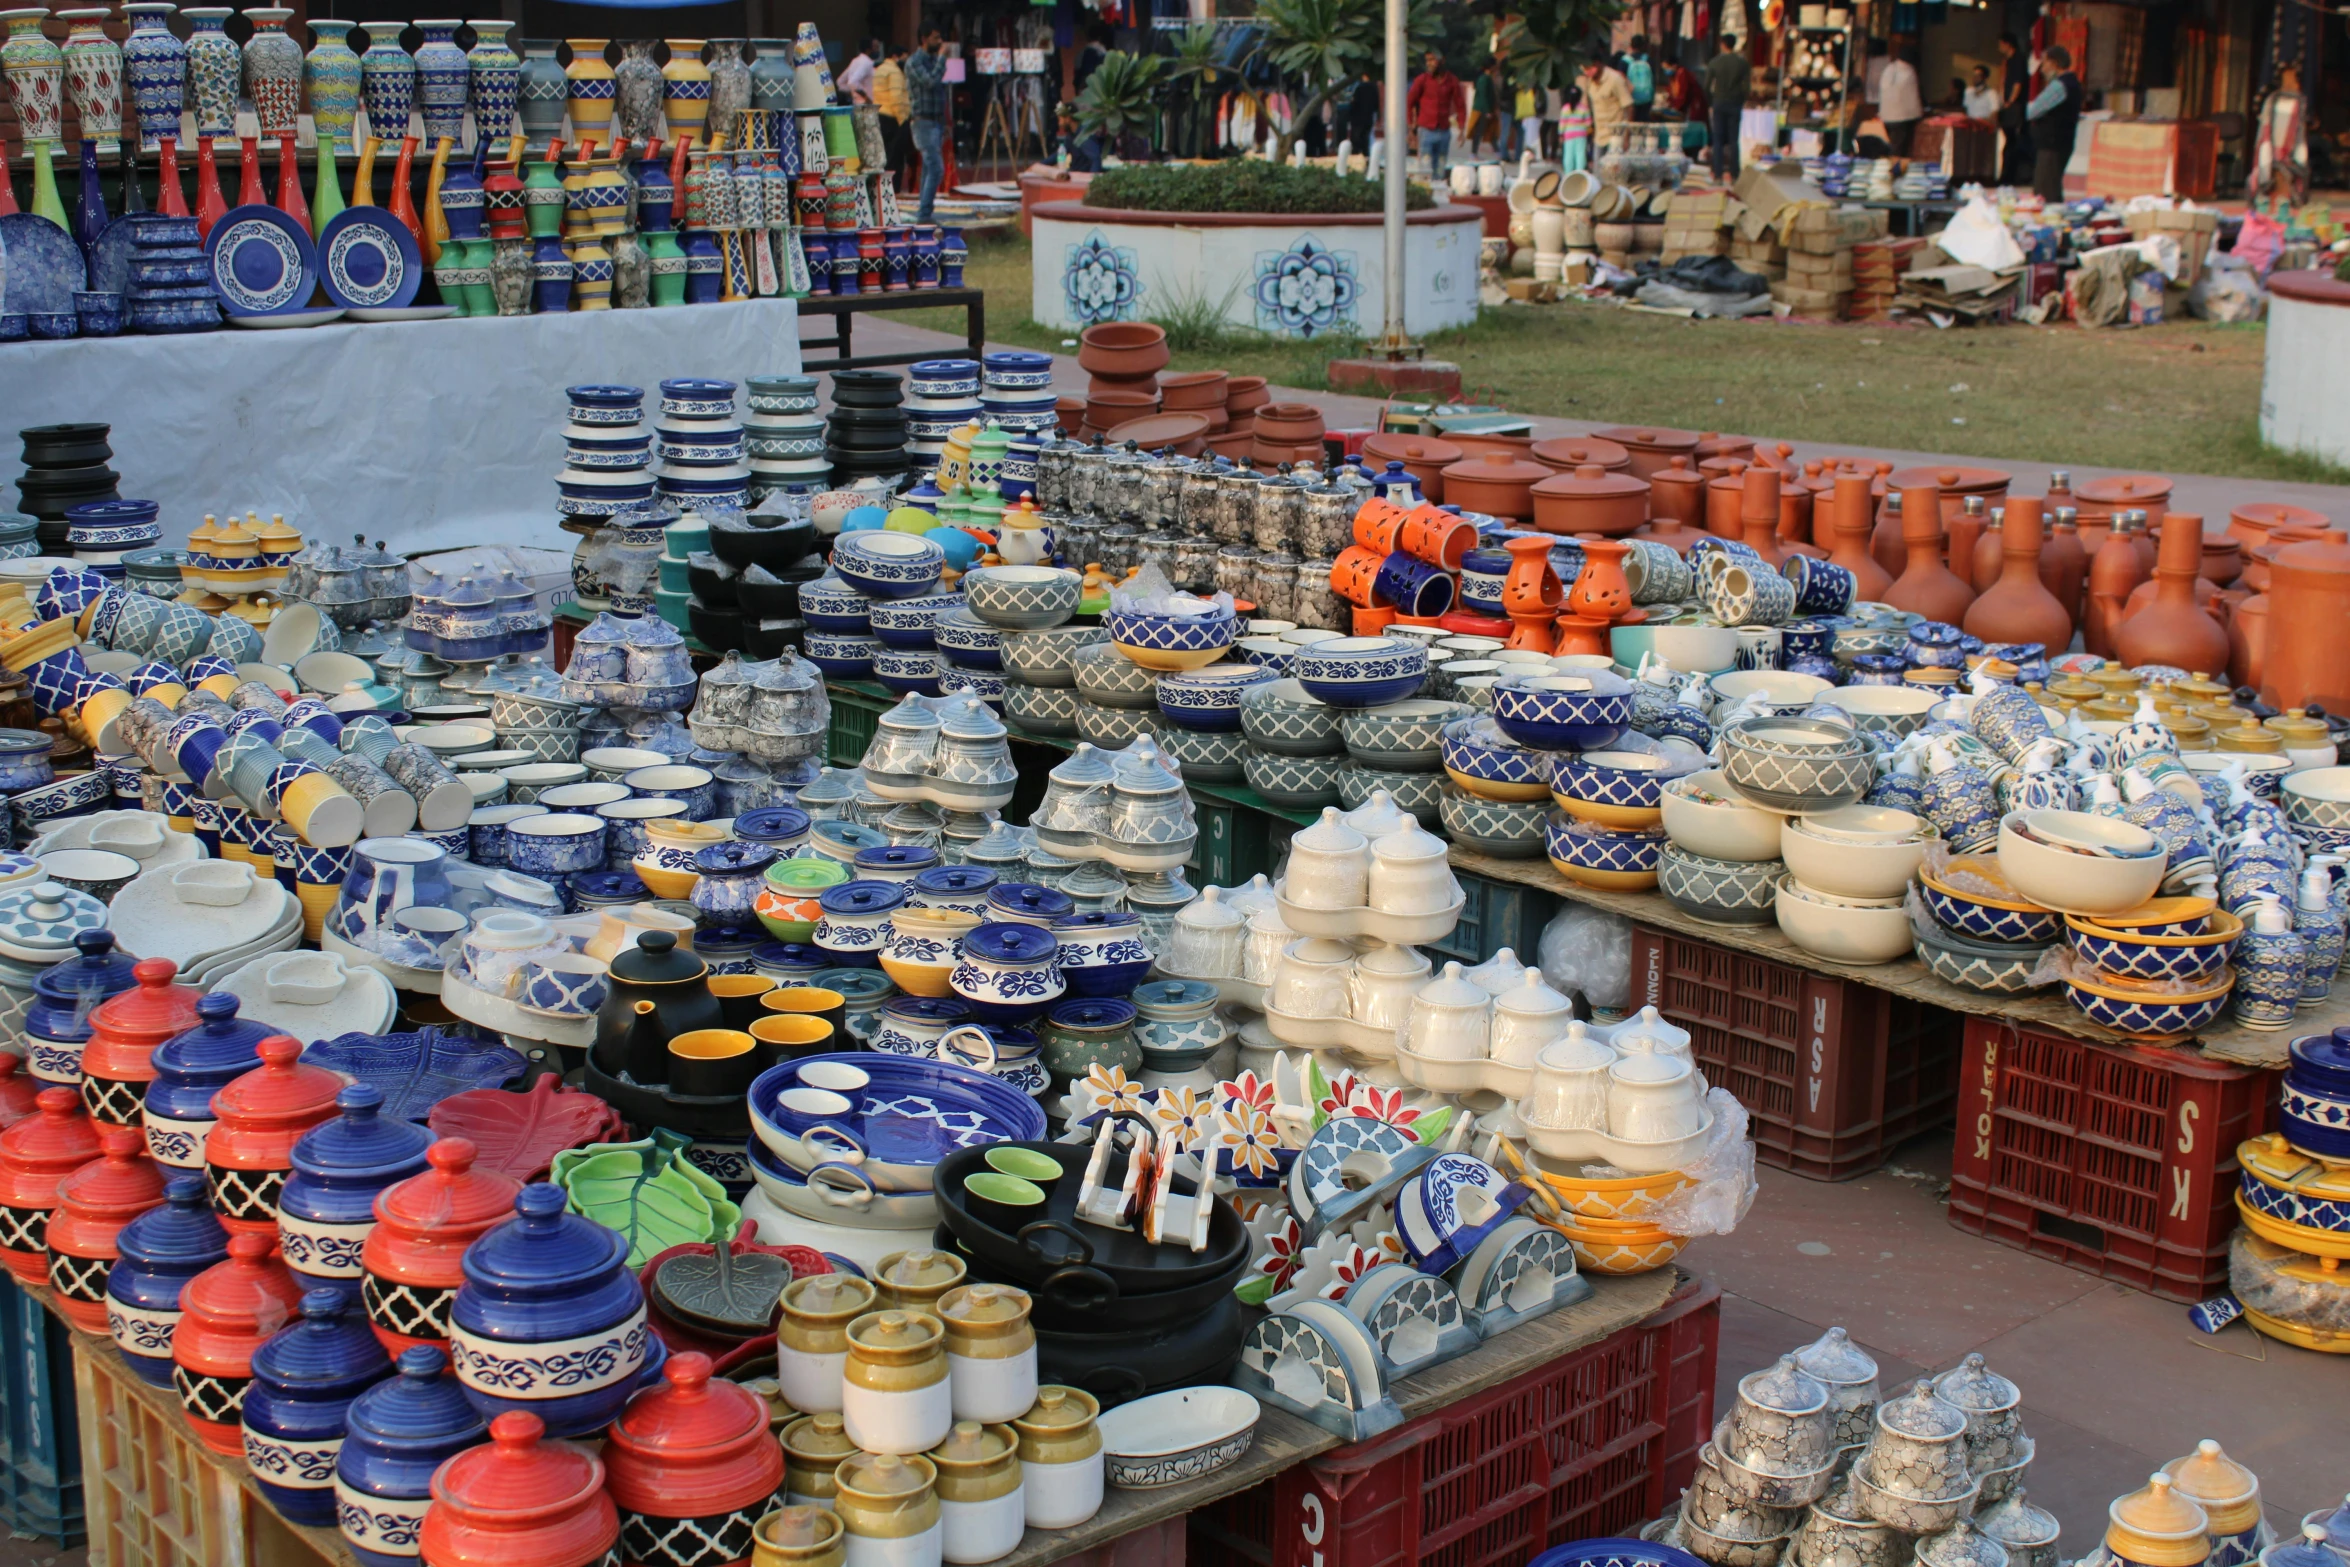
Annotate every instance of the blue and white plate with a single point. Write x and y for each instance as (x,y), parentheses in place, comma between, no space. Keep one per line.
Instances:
(290,318)
(909,1114)
(262,262)
(368,259)
(402,312)
(45,267)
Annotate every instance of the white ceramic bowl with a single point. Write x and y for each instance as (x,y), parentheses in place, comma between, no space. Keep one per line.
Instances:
(2076,882)
(1898,709)
(2318,796)
(1734,830)
(1785,689)
(1844,868)
(1176,1436)
(1842,930)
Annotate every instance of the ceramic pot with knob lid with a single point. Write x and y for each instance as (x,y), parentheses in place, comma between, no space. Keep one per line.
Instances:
(326,1209)
(157,1253)
(799,1536)
(692,1468)
(520,1498)
(896,1397)
(811,1336)
(1590,499)
(411,1261)
(888,1506)
(2228,1493)
(261,1115)
(1993,1405)
(982,1511)
(2157,1526)
(813,1447)
(189,1069)
(35,1155)
(1850,1376)
(397,1433)
(1060,1458)
(117,1063)
(297,1404)
(991,1351)
(57,1021)
(229,1311)
(93,1205)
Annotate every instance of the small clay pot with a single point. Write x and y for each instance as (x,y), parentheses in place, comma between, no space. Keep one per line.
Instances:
(1498,485)
(1590,500)
(1123,348)
(1196,390)
(1293,424)
(1246,394)
(1651,447)
(1424,457)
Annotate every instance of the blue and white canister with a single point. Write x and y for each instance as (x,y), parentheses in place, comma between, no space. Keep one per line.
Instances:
(156,1254)
(396,1434)
(304,1380)
(327,1207)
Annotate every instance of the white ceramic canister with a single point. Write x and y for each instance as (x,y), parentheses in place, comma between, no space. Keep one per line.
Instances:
(1061,1458)
(991,1353)
(1329,865)
(981,1509)
(812,1339)
(888,1506)
(1451,1019)
(1381,986)
(1410,873)
(895,1395)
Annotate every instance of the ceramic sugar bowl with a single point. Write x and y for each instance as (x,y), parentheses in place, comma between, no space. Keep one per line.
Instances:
(991,1351)
(1060,1458)
(411,1262)
(520,1498)
(1329,866)
(228,1311)
(93,1205)
(981,1511)
(895,1395)
(799,1536)
(812,1336)
(888,1507)
(692,1458)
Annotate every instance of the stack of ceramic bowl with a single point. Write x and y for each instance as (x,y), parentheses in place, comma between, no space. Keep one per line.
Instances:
(1984,934)
(100,531)
(2294,1198)
(1721,861)
(64,465)
(1019,391)
(171,278)
(608,453)
(784,435)
(944,396)
(1848,871)
(866,436)
(907,658)
(680,542)
(701,443)
(1028,608)
(1497,799)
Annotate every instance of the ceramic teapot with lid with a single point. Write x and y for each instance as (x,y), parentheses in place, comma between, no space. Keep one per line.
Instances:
(675,984)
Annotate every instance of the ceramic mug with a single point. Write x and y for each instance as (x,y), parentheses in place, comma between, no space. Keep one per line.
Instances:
(712,1063)
(808,1001)
(792,1037)
(740,998)
(1008,1202)
(567,984)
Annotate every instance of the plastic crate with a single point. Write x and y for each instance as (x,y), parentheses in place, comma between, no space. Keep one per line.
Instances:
(1592,1444)
(1235,842)
(855,716)
(1494,915)
(1834,1073)
(40,1438)
(156,1499)
(2118,1160)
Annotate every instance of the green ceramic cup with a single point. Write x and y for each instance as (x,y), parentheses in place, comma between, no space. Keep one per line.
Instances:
(1041,1170)
(1004,1201)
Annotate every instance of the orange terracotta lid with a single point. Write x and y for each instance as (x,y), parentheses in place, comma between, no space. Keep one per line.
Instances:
(1710,444)
(1954,480)
(1650,438)
(2124,489)
(1495,468)
(1677,471)
(1574,451)
(1153,431)
(1413,451)
(2276,514)
(1591,482)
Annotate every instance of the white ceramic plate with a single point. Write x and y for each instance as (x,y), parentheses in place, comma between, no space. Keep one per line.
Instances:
(292,318)
(402,313)
(1175,1436)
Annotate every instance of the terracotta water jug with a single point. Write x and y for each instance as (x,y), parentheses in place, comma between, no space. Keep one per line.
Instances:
(2309,585)
(1725,500)
(2173,629)
(2018,607)
(1926,586)
(2100,501)
(1960,531)
(1851,518)
(1758,512)
(2113,574)
(2064,567)
(1990,548)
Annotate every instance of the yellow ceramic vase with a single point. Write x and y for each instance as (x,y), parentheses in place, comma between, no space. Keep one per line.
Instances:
(685,90)
(592,89)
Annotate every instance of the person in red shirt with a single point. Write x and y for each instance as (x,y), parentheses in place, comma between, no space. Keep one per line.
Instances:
(1436,101)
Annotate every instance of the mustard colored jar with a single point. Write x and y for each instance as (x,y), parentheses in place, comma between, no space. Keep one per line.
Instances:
(813,1447)
(981,1514)
(812,1337)
(2229,1495)
(914,1280)
(2157,1527)
(991,1351)
(1060,1458)
(895,1395)
(888,1508)
(799,1536)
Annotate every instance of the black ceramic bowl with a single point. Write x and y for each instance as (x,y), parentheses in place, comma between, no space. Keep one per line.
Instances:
(719,630)
(774,593)
(65,445)
(711,580)
(867,388)
(863,437)
(1079,1300)
(1058,1241)
(775,547)
(773,638)
(1118,1368)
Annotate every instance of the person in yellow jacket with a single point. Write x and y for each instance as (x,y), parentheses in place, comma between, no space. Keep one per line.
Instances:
(896,106)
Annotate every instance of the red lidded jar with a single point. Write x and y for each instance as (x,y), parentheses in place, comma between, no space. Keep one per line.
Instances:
(261,1116)
(124,1032)
(36,1154)
(693,1448)
(228,1310)
(520,1500)
(92,1204)
(412,1259)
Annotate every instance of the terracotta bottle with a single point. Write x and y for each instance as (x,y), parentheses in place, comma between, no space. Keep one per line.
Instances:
(2018,607)
(2111,577)
(1851,518)
(1959,534)
(1990,547)
(1799,511)
(2309,585)
(2143,540)
(2173,629)
(1886,542)
(1926,586)
(1725,500)
(1758,512)
(2064,566)
(1676,505)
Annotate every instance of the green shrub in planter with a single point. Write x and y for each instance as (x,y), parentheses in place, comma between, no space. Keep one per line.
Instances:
(1241,185)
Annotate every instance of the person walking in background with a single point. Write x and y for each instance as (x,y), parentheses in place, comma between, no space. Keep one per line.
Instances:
(1362,112)
(926,88)
(1610,99)
(856,78)
(1899,102)
(1728,78)
(1435,103)
(1090,58)
(895,108)
(1574,131)
(1640,76)
(1489,106)
(2055,117)
(1528,108)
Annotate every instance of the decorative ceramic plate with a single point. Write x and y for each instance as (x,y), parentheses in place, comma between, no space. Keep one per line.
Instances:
(368,259)
(401,313)
(45,266)
(910,1112)
(110,258)
(291,318)
(417,1071)
(262,262)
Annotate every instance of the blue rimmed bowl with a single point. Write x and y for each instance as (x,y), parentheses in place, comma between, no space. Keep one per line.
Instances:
(1488,765)
(912,622)
(2009,918)
(829,604)
(1603,857)
(842,657)
(884,565)
(2165,1014)
(909,671)
(1361,671)
(1583,712)
(967,640)
(1620,789)
(1172,642)
(1209,698)
(908,1114)
(2181,960)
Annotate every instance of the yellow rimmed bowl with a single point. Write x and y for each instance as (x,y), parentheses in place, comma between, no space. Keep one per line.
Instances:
(2134,954)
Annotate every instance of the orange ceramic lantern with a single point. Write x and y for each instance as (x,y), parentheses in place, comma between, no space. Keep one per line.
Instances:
(93,1204)
(35,1154)
(124,1032)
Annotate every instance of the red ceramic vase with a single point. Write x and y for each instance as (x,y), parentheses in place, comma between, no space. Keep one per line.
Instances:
(227,1311)
(124,1032)
(94,1203)
(261,1116)
(411,1261)
(519,1500)
(694,1449)
(36,1154)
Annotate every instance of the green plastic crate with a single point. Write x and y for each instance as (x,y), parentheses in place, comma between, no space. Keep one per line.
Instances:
(854,718)
(1235,842)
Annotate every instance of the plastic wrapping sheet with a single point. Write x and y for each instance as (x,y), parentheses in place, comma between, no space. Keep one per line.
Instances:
(1588,950)
(426,434)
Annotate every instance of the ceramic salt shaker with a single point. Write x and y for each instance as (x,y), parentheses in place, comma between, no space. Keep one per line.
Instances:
(888,1507)
(1060,1458)
(692,1468)
(412,1261)
(813,1447)
(812,1336)
(326,1209)
(157,1254)
(93,1205)
(981,1512)
(1850,1376)
(229,1311)
(35,1154)
(895,1395)
(797,1536)
(296,1406)
(520,1498)
(991,1353)
(397,1433)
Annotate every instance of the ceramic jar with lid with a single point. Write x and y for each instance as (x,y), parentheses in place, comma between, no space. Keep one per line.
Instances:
(895,1395)
(326,1209)
(1779,1428)
(117,1063)
(888,1507)
(855,923)
(991,1351)
(93,1205)
(1526,1018)
(813,1447)
(728,881)
(410,1262)
(1914,1473)
(1060,1458)
(1008,972)
(157,1253)
(2228,1493)
(799,1536)
(262,1114)
(228,1311)
(35,1155)
(981,1507)
(398,1431)
(1835,1530)
(190,1068)
(692,1468)
(1329,866)
(1451,1018)
(1994,1413)
(2026,1533)
(1960,1545)
(57,1021)
(2157,1527)
(520,1498)
(1850,1376)
(1382,982)
(304,1380)
(549,1319)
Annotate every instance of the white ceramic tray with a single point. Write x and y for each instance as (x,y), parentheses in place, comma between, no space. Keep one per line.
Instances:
(1479,1074)
(863,1247)
(1331,1033)
(417,981)
(1626,1155)
(1240,993)
(1397,929)
(496,1013)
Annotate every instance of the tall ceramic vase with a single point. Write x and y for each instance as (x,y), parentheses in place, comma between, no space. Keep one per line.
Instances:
(273,70)
(157,64)
(590,76)
(543,90)
(685,91)
(771,80)
(332,71)
(387,83)
(443,78)
(637,93)
(215,67)
(730,89)
(36,74)
(93,75)
(496,80)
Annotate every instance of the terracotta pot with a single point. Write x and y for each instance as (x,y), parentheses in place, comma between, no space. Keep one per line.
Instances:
(1990,548)
(1070,412)
(2259,558)
(520,1499)
(2253,522)
(2064,568)
(2223,559)
(1232,447)
(1424,457)
(1713,444)
(2309,586)
(2017,606)
(1955,484)
(93,1204)
(1758,512)
(124,1032)
(1123,348)
(1676,497)
(1651,447)
(1852,516)
(1186,433)
(35,1155)
(1520,447)
(1601,592)
(1293,424)
(2248,642)
(1926,586)
(1123,383)
(226,1313)
(1569,453)
(1531,588)
(261,1115)
(1193,389)
(2173,629)
(1494,484)
(1590,500)
(1277,454)
(2113,574)
(2098,499)
(1246,394)
(1580,634)
(1118,407)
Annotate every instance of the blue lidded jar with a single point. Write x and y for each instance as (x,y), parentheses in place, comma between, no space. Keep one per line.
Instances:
(304,1380)
(157,1253)
(189,1069)
(57,1020)
(397,1433)
(327,1207)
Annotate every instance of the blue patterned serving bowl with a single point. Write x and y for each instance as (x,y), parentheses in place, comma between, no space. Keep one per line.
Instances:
(1602,857)
(1618,789)
(2008,919)
(1209,698)
(1585,712)
(1488,765)
(2179,960)
(842,657)
(967,640)
(2150,1014)
(884,565)
(908,671)
(829,604)
(1361,671)
(912,622)
(1172,642)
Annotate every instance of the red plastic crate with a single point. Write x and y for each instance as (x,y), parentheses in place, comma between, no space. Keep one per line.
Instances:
(1834,1073)
(2118,1160)
(1592,1444)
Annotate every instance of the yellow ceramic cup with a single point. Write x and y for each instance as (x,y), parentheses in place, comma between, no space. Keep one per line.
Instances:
(786,1036)
(711,1063)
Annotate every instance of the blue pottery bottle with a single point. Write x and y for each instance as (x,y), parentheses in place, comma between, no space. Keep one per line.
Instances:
(926,255)
(952,253)
(2270,961)
(397,1433)
(157,1253)
(549,1320)
(189,1069)
(550,271)
(303,1382)
(704,268)
(846,264)
(328,1205)
(57,1020)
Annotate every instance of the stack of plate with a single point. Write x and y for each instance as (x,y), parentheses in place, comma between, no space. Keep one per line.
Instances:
(1019,392)
(945,397)
(205,918)
(607,452)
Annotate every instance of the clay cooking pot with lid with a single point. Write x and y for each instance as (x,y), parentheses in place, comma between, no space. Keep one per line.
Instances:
(2254,522)
(1652,446)
(1495,484)
(1569,453)
(1590,500)
(1424,457)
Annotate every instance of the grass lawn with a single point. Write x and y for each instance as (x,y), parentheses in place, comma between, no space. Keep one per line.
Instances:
(2178,398)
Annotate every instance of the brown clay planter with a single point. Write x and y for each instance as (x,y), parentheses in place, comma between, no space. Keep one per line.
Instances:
(1123,348)
(1107,408)
(1071,412)
(1237,424)
(1652,446)
(1218,419)
(1234,447)
(1187,433)
(1194,389)
(1291,423)
(1424,457)
(2252,521)
(2223,559)
(1495,484)
(1123,383)
(1571,452)
(1246,394)
(1590,500)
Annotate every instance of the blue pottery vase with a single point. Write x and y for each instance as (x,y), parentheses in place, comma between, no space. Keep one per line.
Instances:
(156,62)
(952,253)
(1962,802)
(303,1382)
(57,1020)
(397,1433)
(327,1207)
(549,1320)
(189,1069)
(2270,959)
(157,1253)
(442,76)
(387,84)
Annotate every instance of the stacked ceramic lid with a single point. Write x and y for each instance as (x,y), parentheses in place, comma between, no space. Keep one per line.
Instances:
(784,436)
(1018,390)
(608,452)
(701,444)
(942,397)
(99,532)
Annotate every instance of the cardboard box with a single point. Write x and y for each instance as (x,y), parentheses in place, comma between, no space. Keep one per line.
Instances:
(1824,303)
